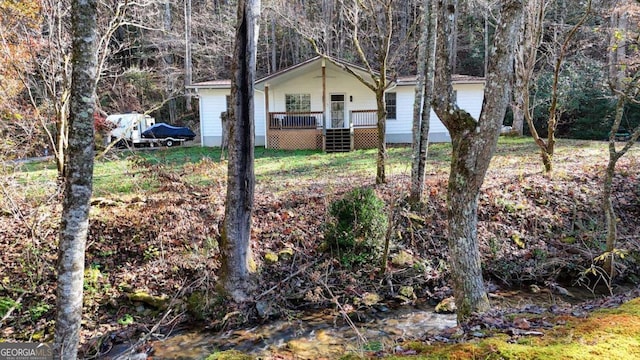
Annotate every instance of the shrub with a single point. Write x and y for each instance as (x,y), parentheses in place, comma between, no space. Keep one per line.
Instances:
(358,226)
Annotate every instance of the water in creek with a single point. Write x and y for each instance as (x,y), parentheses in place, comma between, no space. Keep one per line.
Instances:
(309,337)
(327,335)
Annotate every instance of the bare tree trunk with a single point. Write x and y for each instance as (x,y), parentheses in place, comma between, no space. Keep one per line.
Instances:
(624,84)
(168,62)
(422,102)
(517,127)
(521,83)
(609,213)
(473,144)
(615,60)
(274,48)
(78,181)
(188,66)
(486,41)
(51,76)
(547,148)
(237,262)
(618,24)
(54,71)
(224,138)
(327,28)
(381,14)
(453,45)
(466,270)
(382,143)
(340,26)
(529,41)
(614,156)
(62,136)
(381,81)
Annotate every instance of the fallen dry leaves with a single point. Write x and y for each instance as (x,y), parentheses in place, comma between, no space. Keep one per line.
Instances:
(532,228)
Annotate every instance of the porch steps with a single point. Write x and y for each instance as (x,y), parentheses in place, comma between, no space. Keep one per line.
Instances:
(338,140)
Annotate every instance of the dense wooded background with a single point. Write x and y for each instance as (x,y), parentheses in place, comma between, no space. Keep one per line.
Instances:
(145,61)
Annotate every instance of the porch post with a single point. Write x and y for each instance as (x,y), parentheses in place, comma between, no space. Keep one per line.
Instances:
(324,104)
(266,108)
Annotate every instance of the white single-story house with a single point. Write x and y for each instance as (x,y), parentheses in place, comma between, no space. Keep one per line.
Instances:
(303,106)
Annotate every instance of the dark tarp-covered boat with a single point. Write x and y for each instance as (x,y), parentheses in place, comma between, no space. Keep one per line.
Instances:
(162,130)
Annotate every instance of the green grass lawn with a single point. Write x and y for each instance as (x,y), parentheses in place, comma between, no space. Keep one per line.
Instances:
(128,172)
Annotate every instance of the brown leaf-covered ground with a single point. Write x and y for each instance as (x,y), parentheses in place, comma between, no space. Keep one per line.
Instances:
(159,236)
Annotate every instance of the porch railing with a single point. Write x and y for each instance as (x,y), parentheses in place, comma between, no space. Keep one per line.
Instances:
(364,118)
(313,119)
(298,120)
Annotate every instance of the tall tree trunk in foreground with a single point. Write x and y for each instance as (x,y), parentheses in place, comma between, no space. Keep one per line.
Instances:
(237,262)
(422,102)
(473,144)
(78,178)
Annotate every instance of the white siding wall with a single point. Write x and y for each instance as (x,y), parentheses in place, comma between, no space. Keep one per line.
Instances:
(404,112)
(470,97)
(357,97)
(399,130)
(306,84)
(260,119)
(212,103)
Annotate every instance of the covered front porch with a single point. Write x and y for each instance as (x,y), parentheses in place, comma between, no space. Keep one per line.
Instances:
(318,105)
(312,130)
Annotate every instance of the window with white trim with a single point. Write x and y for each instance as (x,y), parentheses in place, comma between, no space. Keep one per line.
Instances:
(297,102)
(390,105)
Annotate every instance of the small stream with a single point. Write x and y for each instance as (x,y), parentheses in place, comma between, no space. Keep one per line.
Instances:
(312,336)
(327,335)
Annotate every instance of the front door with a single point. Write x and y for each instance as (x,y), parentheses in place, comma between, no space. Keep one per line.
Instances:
(337,111)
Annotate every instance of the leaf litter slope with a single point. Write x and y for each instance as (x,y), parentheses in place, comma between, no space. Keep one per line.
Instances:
(155,224)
